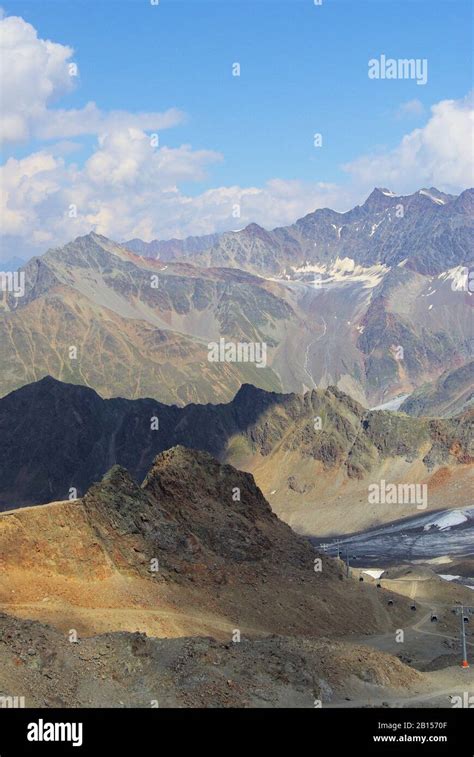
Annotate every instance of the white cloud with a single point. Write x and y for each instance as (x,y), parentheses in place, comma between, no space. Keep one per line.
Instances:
(125,181)
(411,109)
(34,74)
(127,159)
(278,203)
(128,188)
(59,124)
(25,186)
(438,154)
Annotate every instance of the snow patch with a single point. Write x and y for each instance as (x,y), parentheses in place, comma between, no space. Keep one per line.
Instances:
(374,227)
(391,404)
(453,273)
(448,577)
(452,518)
(346,270)
(374,573)
(437,200)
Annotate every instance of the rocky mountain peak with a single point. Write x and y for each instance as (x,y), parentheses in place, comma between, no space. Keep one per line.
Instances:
(119,479)
(254,231)
(464,203)
(251,393)
(254,228)
(379,199)
(184,477)
(189,508)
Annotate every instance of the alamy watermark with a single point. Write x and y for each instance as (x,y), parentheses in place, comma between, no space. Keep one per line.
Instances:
(399,494)
(44,731)
(13,281)
(12,702)
(466,700)
(398,68)
(237,352)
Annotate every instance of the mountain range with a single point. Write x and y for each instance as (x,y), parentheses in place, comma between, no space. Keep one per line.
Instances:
(365,300)
(313,456)
(429,230)
(154,503)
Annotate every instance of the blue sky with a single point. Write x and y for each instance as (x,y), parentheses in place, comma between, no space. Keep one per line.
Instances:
(303,70)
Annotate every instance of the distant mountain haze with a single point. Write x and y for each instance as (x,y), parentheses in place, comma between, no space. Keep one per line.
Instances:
(432,230)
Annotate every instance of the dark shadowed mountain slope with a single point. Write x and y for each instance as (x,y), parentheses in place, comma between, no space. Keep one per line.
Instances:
(57,437)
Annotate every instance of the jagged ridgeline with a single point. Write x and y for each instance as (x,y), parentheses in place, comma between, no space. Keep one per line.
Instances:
(331,297)
(56,438)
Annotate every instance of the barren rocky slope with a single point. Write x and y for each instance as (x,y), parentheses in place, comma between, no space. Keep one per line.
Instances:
(132,670)
(194,552)
(180,555)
